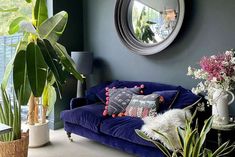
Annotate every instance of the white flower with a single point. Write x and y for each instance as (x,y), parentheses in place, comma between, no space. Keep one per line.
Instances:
(213,57)
(229,53)
(190,71)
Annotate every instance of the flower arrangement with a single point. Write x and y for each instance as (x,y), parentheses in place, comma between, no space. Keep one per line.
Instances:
(217,71)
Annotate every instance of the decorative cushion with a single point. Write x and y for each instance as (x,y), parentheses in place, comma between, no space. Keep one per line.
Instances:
(169,99)
(143,105)
(89,116)
(117,99)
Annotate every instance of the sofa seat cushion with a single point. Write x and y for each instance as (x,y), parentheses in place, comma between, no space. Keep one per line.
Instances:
(124,128)
(89,116)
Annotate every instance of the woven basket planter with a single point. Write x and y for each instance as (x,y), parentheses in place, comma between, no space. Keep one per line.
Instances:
(16,148)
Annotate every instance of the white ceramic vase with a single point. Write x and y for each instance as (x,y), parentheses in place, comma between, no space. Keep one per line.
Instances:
(220,106)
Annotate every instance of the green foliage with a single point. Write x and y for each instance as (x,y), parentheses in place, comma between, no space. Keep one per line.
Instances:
(10,116)
(142,28)
(9,10)
(40,12)
(39,54)
(191,141)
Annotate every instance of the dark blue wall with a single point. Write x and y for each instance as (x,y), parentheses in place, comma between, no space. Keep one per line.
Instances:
(208,28)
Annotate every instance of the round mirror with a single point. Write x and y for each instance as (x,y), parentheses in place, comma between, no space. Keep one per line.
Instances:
(148,26)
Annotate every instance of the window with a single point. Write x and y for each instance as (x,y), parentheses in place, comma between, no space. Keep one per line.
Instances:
(9,10)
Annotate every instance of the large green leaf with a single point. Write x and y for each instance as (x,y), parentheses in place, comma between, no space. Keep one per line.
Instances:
(20,78)
(67,61)
(52,60)
(7,73)
(37,69)
(53,27)
(40,12)
(14,26)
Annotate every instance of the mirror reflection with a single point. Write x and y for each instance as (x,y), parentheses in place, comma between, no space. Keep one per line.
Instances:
(152,21)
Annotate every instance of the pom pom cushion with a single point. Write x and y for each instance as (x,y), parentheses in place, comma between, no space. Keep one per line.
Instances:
(143,105)
(117,99)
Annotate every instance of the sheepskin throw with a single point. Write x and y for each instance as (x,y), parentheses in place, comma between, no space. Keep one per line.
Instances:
(166,124)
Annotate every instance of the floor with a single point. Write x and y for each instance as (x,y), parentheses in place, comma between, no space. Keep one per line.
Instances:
(60,146)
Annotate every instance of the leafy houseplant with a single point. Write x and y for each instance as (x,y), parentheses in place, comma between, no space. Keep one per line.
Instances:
(40,62)
(14,143)
(191,142)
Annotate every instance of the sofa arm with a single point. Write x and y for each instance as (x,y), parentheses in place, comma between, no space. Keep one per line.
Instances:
(77,102)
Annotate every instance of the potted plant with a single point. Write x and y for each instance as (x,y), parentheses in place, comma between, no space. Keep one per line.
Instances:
(191,141)
(16,142)
(39,65)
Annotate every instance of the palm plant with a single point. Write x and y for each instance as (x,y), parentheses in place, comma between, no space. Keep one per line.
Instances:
(40,62)
(191,141)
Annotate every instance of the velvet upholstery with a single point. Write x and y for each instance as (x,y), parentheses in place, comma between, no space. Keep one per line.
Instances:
(138,150)
(89,116)
(118,132)
(124,128)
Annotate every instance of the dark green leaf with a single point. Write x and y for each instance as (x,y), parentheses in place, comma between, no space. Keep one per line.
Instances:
(67,61)
(40,12)
(52,60)
(37,69)
(53,27)
(28,1)
(14,26)
(20,78)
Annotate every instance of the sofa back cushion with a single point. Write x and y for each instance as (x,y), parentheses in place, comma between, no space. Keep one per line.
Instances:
(91,92)
(169,98)
(184,98)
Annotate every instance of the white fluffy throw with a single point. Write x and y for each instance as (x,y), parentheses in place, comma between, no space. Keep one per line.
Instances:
(166,124)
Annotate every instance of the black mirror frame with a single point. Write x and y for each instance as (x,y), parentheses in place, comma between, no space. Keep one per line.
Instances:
(126,36)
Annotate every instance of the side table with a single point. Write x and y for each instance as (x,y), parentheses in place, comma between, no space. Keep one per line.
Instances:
(4,129)
(220,128)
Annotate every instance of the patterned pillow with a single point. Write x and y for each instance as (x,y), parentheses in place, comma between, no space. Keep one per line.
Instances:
(143,105)
(169,98)
(117,99)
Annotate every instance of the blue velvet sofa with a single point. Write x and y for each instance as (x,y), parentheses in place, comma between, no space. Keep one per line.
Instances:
(85,118)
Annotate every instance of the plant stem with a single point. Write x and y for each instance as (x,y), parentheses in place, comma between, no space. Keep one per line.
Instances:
(31,110)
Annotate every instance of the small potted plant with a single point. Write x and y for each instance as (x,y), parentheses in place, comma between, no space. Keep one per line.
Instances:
(40,64)
(16,142)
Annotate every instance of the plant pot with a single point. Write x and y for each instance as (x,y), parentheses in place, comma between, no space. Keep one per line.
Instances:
(38,134)
(16,148)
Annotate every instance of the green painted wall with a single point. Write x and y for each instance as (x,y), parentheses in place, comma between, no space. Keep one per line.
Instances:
(72,39)
(208,28)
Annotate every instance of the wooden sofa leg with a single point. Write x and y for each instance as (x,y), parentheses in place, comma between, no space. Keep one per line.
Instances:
(69,136)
